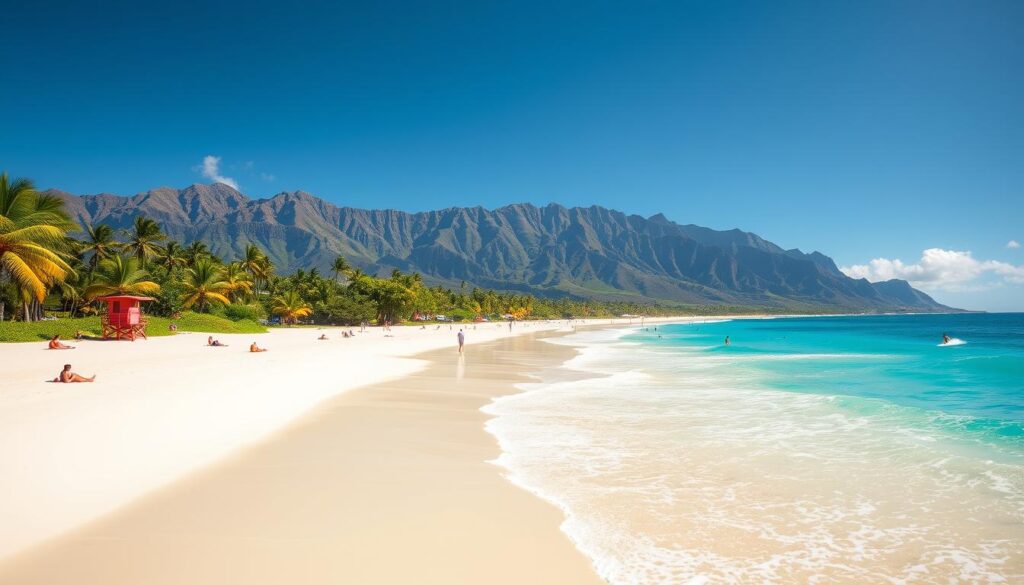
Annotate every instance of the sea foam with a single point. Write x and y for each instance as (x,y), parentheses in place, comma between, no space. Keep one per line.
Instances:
(673,467)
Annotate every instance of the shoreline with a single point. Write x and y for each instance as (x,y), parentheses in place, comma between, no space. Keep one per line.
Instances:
(396,470)
(168,407)
(694,465)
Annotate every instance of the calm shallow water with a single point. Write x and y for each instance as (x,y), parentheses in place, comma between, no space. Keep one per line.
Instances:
(846,449)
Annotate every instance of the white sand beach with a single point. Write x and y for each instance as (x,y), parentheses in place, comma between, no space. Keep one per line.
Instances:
(168,407)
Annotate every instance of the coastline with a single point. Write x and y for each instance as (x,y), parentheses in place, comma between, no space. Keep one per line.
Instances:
(396,458)
(692,461)
(397,470)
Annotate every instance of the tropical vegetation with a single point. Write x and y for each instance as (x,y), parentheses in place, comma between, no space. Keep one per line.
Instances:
(50,265)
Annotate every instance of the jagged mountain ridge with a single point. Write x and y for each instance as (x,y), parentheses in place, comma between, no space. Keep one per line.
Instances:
(593,251)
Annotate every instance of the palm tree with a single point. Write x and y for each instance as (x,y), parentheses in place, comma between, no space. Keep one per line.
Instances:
(99,242)
(297,280)
(204,285)
(33,238)
(142,240)
(196,251)
(70,295)
(120,275)
(258,265)
(290,307)
(171,256)
(323,291)
(275,284)
(340,266)
(254,262)
(238,280)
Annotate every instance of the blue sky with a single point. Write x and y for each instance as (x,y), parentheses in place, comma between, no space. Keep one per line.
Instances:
(873,130)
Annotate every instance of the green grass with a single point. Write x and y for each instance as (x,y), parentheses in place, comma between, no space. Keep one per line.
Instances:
(208,324)
(158,327)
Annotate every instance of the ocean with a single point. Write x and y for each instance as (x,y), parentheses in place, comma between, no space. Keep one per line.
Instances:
(813,449)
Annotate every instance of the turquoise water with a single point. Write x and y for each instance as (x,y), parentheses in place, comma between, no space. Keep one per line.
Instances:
(826,449)
(898,359)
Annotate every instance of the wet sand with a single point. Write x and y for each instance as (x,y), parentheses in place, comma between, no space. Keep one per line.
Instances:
(384,484)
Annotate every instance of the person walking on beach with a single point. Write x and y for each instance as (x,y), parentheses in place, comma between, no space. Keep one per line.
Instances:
(462,340)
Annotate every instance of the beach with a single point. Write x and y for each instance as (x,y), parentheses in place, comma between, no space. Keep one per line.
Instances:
(850,449)
(185,462)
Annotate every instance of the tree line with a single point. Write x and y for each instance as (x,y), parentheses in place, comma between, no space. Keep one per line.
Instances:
(47,261)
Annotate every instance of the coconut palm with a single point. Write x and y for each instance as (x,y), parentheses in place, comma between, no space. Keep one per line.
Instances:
(238,280)
(204,285)
(195,252)
(120,275)
(297,281)
(276,284)
(256,263)
(142,240)
(170,256)
(99,242)
(290,307)
(313,276)
(322,291)
(340,266)
(33,237)
(70,295)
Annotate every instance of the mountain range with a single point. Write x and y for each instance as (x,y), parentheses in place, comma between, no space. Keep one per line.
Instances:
(551,250)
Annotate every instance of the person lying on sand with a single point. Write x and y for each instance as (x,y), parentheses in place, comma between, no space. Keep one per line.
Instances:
(66,376)
(255,348)
(56,344)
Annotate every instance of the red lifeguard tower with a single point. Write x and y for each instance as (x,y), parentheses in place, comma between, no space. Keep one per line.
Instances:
(124,317)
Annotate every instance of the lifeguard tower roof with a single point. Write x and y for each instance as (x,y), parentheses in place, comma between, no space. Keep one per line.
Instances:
(125,298)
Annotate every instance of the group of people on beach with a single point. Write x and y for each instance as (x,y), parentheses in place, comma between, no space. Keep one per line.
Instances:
(345,334)
(253,348)
(66,375)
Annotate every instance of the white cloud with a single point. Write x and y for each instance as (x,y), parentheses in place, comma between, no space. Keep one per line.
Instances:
(940,269)
(268,177)
(1013,244)
(211,170)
